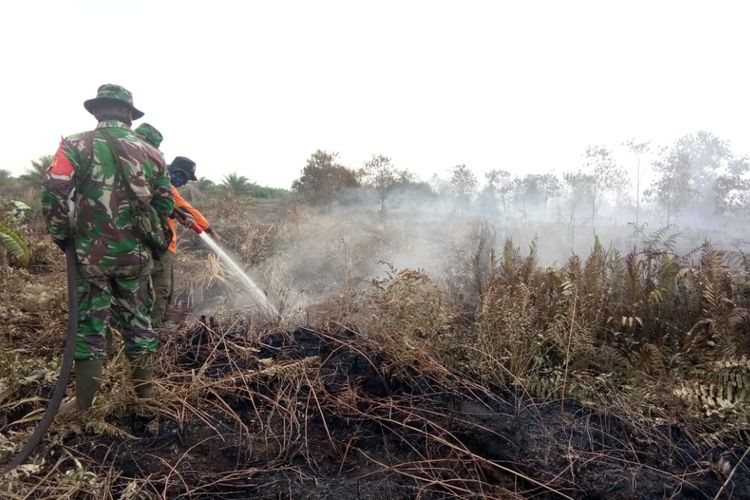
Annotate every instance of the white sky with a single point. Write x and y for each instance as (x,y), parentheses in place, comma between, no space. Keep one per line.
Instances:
(256,87)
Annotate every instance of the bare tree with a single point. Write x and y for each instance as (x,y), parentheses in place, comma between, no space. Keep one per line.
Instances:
(697,173)
(536,189)
(499,186)
(462,184)
(707,157)
(638,149)
(581,189)
(607,175)
(379,173)
(674,188)
(732,189)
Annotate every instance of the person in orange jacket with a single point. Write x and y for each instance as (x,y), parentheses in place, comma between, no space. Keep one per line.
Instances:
(181,171)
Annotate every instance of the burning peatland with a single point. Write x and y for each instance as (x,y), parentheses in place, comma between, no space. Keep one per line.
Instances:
(481,373)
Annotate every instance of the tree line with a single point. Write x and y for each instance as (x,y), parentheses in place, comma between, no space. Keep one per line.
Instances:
(26,186)
(696,177)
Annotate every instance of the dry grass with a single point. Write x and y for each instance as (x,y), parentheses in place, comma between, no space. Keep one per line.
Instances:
(500,378)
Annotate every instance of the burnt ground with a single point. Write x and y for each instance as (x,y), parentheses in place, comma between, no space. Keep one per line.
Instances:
(309,414)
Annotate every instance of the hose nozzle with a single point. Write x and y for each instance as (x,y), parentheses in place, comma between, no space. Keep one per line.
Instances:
(182,215)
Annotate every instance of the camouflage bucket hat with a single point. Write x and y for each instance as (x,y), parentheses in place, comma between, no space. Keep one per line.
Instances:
(184,164)
(148,133)
(111,92)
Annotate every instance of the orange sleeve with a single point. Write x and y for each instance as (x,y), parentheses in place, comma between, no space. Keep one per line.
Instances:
(172,227)
(180,202)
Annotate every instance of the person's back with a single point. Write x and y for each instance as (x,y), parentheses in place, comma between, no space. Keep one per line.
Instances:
(106,242)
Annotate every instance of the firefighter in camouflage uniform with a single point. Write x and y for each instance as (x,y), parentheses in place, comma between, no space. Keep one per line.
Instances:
(85,199)
(181,170)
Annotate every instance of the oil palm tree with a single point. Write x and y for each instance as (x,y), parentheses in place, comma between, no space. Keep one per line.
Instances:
(236,184)
(35,173)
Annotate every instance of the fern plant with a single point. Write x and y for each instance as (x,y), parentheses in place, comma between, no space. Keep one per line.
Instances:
(720,389)
(14,244)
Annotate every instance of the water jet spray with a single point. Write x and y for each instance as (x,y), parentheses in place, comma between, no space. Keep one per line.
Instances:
(265,305)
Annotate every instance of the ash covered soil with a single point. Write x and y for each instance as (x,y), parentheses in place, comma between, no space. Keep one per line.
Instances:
(316,414)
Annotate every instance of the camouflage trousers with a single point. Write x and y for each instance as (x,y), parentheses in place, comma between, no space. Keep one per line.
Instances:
(162,279)
(127,300)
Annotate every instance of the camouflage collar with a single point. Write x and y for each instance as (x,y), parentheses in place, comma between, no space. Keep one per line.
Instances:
(112,124)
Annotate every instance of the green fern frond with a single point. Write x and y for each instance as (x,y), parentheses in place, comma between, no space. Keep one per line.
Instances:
(15,245)
(510,259)
(555,383)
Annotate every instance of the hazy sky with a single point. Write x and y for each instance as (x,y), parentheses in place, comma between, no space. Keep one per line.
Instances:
(256,87)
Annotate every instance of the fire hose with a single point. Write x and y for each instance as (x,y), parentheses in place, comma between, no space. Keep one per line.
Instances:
(183,215)
(67,363)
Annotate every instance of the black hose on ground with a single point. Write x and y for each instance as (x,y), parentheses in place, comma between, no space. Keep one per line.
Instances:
(70,345)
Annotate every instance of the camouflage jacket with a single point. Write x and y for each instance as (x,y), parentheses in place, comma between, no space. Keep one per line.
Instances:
(84,197)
